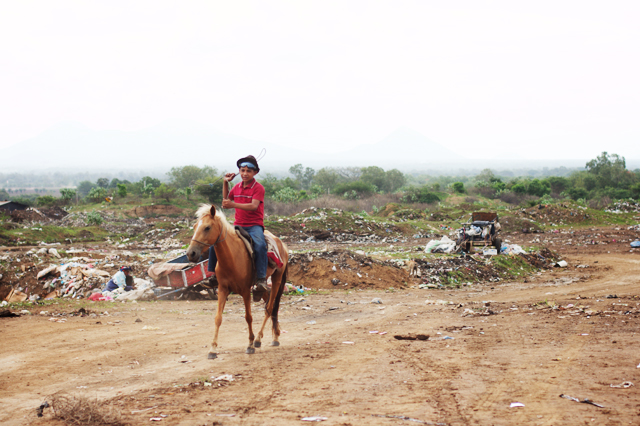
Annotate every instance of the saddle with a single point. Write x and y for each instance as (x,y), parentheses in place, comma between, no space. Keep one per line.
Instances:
(273,255)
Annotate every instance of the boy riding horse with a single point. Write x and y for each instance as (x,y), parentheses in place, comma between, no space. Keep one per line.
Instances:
(247,197)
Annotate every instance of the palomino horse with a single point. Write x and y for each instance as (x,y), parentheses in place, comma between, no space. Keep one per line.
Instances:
(235,271)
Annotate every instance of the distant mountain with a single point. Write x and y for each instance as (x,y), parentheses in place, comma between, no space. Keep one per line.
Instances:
(403,146)
(74,147)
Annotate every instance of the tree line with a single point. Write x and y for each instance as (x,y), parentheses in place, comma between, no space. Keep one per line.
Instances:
(605,177)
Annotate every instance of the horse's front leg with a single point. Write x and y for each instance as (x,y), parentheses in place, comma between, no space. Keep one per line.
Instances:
(247,309)
(223,292)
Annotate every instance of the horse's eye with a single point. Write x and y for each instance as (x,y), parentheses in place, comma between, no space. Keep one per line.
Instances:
(208,228)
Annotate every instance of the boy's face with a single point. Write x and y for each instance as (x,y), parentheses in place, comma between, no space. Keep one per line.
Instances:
(247,174)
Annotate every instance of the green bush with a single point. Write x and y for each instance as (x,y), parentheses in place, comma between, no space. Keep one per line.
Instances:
(122,190)
(46,200)
(458,187)
(67,194)
(164,191)
(286,195)
(94,218)
(96,194)
(359,187)
(419,195)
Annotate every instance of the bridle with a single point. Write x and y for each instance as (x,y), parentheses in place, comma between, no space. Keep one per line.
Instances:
(218,240)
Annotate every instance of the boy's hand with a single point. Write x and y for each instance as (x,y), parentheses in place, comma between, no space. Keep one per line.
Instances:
(229,177)
(227,204)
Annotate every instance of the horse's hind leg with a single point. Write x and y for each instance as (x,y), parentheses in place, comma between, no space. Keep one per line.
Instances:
(247,308)
(222,300)
(277,289)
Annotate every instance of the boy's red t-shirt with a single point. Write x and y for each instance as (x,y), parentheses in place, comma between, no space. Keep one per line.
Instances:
(245,195)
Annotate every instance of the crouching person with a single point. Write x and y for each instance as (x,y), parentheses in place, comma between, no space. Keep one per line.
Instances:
(121,279)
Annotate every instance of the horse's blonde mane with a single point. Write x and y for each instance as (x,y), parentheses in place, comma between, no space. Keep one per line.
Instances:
(205,209)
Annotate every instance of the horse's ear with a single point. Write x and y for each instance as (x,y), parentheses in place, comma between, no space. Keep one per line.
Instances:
(213,210)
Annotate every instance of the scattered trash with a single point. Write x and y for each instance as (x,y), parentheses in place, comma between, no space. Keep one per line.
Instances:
(516,404)
(16,296)
(561,264)
(635,244)
(409,419)
(377,300)
(624,385)
(411,337)
(444,245)
(512,249)
(348,343)
(41,408)
(584,401)
(6,313)
(314,419)
(224,378)
(311,322)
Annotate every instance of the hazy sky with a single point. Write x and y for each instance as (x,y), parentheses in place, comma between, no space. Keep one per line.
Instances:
(543,79)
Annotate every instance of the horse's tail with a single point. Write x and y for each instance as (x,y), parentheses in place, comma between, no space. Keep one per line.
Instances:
(276,303)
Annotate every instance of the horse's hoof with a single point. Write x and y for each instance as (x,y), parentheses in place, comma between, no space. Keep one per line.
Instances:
(257,344)
(275,343)
(212,356)
(251,350)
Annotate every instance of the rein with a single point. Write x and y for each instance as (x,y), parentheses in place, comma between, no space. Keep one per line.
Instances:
(218,240)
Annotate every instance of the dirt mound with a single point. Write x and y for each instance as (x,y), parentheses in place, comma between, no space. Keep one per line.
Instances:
(155,210)
(560,214)
(352,270)
(29,215)
(54,212)
(519,224)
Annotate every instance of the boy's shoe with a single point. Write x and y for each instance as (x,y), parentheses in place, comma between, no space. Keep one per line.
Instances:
(261,285)
(211,283)
(260,289)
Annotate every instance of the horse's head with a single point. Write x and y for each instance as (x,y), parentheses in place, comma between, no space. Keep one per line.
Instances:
(206,231)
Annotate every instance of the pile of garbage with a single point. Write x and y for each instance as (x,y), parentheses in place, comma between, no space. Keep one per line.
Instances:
(335,225)
(546,215)
(50,272)
(38,216)
(438,272)
(623,207)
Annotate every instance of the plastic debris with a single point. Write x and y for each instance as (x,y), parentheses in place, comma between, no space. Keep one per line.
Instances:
(314,419)
(224,378)
(516,404)
(624,385)
(41,408)
(584,401)
(444,245)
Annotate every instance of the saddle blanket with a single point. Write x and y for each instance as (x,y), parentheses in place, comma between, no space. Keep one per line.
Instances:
(273,254)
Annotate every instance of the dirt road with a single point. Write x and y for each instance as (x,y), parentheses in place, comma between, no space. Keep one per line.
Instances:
(557,333)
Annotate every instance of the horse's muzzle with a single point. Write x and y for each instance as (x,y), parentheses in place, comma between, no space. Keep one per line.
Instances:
(193,253)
